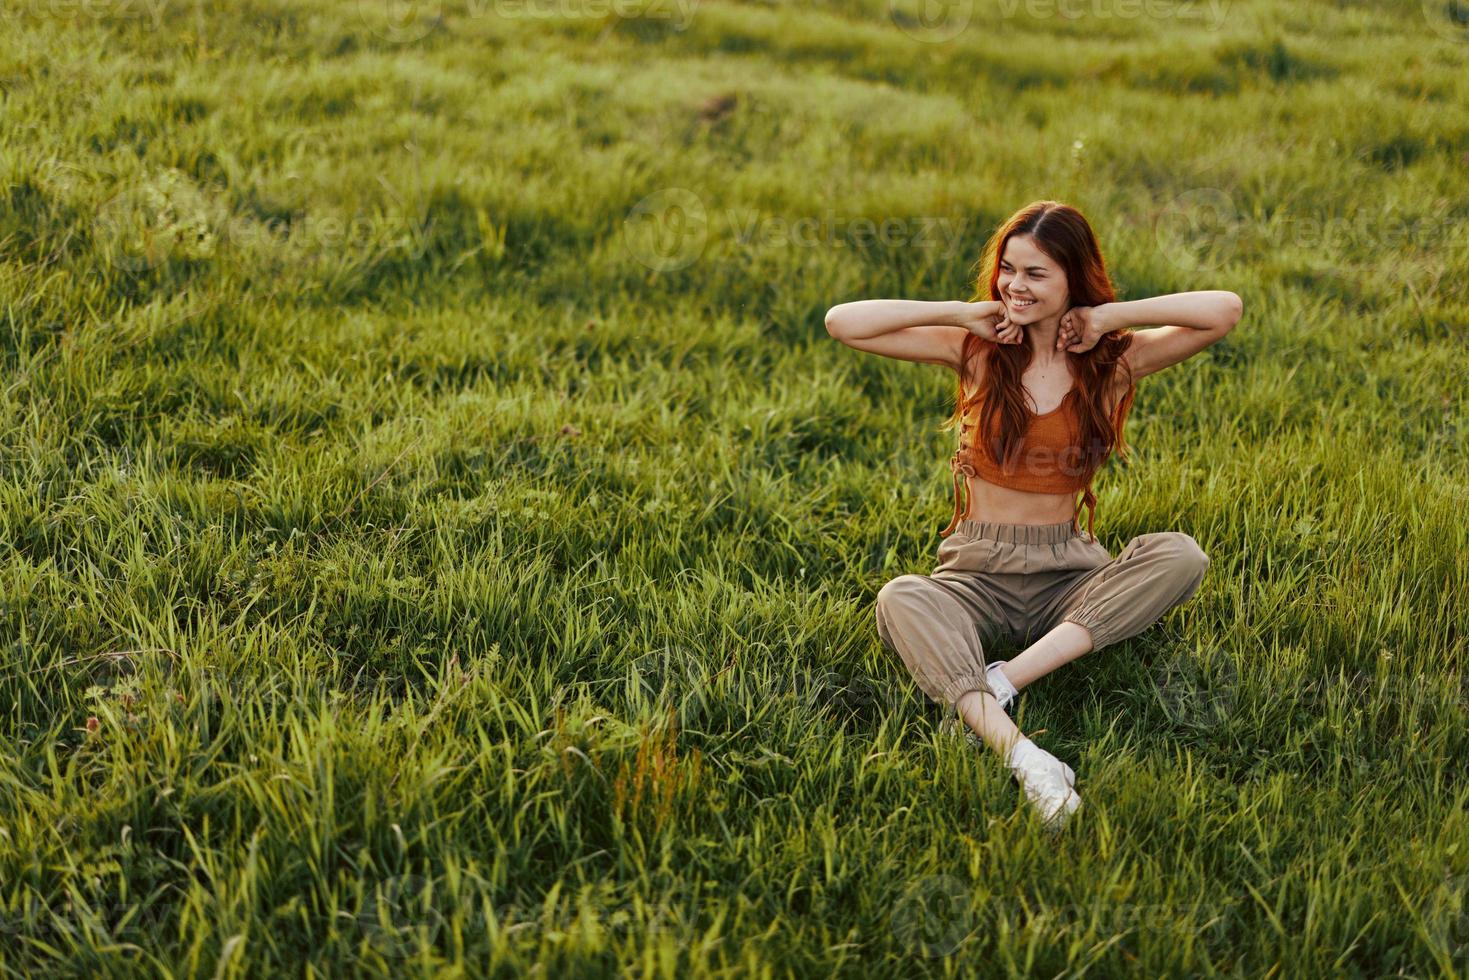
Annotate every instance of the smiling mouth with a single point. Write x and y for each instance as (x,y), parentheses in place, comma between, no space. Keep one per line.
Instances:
(1021,304)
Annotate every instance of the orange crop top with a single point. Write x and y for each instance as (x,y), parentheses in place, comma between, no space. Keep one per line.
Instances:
(1050,460)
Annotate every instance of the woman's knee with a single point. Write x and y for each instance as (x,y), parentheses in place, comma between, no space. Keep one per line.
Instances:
(893,599)
(905,590)
(1178,550)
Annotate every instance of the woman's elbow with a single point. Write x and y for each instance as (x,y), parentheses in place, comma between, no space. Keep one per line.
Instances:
(1234,308)
(833,321)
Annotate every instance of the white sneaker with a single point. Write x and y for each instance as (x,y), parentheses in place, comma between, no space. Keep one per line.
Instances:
(1005,692)
(1049,785)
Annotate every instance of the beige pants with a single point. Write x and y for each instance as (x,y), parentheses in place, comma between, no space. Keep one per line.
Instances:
(1017,582)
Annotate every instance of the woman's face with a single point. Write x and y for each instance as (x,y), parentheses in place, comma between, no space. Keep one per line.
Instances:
(1032,286)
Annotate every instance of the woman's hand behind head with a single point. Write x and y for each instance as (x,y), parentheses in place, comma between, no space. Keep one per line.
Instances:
(990,320)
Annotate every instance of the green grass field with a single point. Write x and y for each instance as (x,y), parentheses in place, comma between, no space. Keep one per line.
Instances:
(441,536)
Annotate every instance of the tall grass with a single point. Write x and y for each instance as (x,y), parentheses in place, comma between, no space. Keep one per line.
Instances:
(442,537)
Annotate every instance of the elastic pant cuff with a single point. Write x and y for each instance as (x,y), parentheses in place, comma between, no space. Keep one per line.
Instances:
(1093,625)
(957,687)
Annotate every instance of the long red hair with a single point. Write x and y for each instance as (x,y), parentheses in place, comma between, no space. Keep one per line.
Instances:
(1061,232)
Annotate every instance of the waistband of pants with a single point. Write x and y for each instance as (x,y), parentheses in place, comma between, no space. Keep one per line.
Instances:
(1020,533)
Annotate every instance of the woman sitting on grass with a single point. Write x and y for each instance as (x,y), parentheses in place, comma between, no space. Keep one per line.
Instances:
(1047,367)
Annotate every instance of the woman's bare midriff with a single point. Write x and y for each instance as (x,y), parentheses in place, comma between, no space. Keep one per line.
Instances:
(1002,505)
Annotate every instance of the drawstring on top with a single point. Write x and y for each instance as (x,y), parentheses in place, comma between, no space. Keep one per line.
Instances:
(962,468)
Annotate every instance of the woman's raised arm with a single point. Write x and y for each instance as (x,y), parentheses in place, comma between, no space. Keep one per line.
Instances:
(918,330)
(1195,320)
